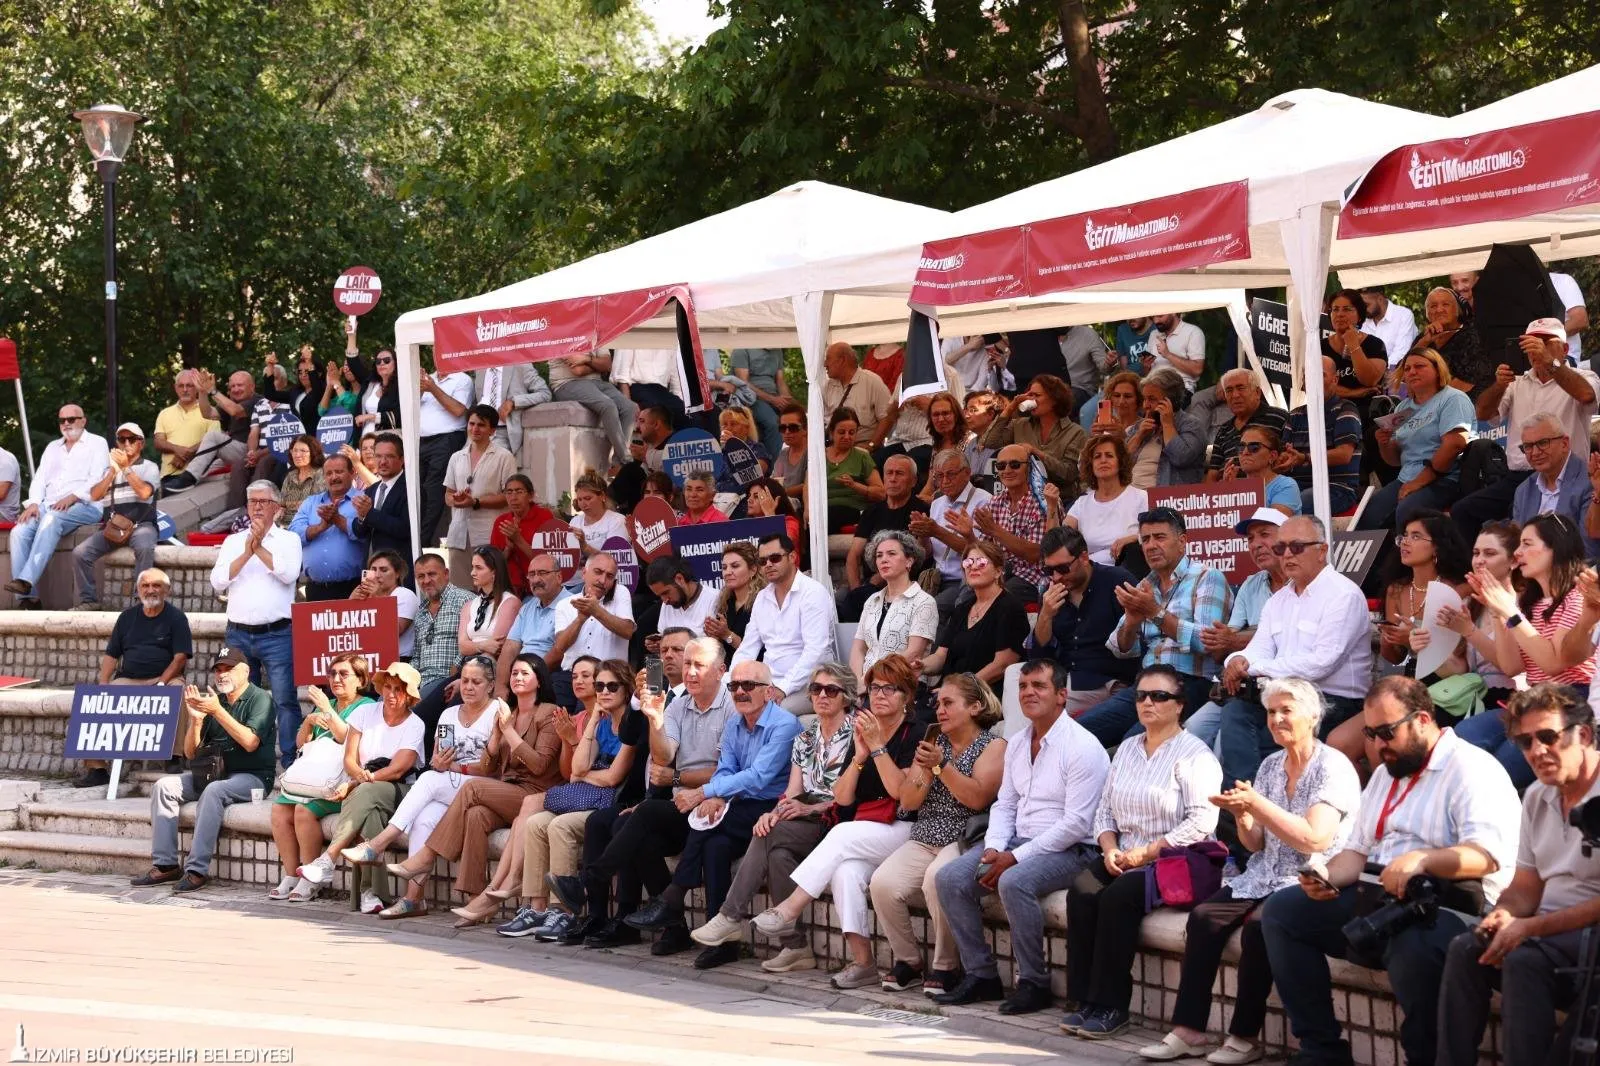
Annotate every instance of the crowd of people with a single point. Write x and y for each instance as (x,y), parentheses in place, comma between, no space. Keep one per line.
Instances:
(1272,739)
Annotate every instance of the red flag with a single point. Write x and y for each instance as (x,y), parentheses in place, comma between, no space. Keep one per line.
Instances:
(10,369)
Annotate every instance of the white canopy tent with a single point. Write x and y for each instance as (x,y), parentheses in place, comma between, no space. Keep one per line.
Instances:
(808,265)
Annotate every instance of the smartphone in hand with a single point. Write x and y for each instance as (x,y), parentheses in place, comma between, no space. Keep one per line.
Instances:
(932,735)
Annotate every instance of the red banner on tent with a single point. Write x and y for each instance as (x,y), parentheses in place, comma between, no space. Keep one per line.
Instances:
(1192,229)
(1509,173)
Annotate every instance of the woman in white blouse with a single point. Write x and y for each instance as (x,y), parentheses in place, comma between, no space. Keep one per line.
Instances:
(1156,796)
(900,618)
(474,482)
(1108,513)
(1300,809)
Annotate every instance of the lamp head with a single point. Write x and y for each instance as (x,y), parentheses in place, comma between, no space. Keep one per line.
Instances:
(108,131)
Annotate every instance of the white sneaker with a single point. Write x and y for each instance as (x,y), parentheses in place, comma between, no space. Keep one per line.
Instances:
(370,904)
(719,930)
(285,887)
(319,871)
(304,892)
(1235,1051)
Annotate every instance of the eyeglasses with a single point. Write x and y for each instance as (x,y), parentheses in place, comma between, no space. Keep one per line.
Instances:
(1531,446)
(130,440)
(1420,538)
(1386,733)
(260,503)
(70,420)
(830,691)
(1546,737)
(1250,447)
(880,689)
(747,686)
(975,562)
(608,686)
(791,427)
(1294,547)
(774,559)
(1061,569)
(1010,464)
(1155,695)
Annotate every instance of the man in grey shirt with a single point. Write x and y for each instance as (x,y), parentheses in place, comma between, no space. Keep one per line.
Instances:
(685,741)
(1085,354)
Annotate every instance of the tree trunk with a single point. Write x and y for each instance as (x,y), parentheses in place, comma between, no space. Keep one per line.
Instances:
(1094,113)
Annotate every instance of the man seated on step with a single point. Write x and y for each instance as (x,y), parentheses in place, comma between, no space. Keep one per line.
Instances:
(149,645)
(234,718)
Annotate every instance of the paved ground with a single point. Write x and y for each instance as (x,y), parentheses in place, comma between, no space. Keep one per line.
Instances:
(87,963)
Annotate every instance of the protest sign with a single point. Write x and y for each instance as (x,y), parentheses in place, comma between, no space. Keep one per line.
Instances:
(743,466)
(1353,553)
(1210,512)
(328,628)
(123,722)
(357,291)
(279,431)
(621,549)
(702,546)
(650,526)
(562,543)
(1269,331)
(691,451)
(334,431)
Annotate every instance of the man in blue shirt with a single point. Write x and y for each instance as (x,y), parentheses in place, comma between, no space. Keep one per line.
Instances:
(1077,615)
(534,631)
(333,553)
(752,772)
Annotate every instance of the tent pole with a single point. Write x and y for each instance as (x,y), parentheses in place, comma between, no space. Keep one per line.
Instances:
(813,311)
(1307,244)
(22,413)
(408,363)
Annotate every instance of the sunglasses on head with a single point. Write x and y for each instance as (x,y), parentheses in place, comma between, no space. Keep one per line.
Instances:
(1386,732)
(1010,464)
(1155,695)
(608,686)
(1546,737)
(747,686)
(830,691)
(1293,547)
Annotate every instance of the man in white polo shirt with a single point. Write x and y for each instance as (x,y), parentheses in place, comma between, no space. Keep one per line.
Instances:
(1392,324)
(598,622)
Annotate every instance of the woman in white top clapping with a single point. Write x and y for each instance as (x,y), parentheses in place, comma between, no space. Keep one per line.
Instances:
(1107,514)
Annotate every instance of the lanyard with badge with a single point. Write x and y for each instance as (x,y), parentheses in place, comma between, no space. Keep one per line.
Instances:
(1393,802)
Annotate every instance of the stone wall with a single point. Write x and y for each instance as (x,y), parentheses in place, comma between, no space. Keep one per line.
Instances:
(189,568)
(63,648)
(33,730)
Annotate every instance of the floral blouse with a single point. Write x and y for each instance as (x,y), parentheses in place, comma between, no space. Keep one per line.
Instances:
(1328,778)
(942,819)
(822,760)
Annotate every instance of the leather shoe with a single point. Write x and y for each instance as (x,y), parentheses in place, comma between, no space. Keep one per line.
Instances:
(652,916)
(673,939)
(972,989)
(1026,998)
(192,882)
(569,890)
(157,876)
(721,955)
(613,934)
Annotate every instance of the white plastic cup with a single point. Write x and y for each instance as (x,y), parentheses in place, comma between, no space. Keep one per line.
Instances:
(257,795)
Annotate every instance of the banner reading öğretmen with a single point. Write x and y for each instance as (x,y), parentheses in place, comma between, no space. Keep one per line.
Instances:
(323,630)
(702,545)
(1210,512)
(123,721)
(1269,331)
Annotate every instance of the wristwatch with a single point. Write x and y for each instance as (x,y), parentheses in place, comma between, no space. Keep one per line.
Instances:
(875,752)
(1161,619)
(938,770)
(1513,621)
(677,779)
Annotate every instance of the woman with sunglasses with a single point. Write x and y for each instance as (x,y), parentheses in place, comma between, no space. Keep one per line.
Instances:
(1157,795)
(304,477)
(986,633)
(513,531)
(1541,629)
(488,616)
(1300,808)
(1426,444)
(853,480)
(789,465)
(380,400)
(900,618)
(870,824)
(1107,514)
(785,835)
(1260,448)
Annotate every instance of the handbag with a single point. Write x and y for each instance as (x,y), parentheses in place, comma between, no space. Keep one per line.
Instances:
(118,530)
(207,765)
(575,796)
(1182,877)
(317,772)
(975,830)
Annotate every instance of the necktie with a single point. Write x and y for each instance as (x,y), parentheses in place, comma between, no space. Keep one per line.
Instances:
(383,491)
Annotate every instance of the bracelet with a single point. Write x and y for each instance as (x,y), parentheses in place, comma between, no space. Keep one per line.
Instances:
(875,752)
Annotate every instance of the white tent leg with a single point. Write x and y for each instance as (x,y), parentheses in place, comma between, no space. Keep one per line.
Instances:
(1307,242)
(22,413)
(408,361)
(812,313)
(1239,314)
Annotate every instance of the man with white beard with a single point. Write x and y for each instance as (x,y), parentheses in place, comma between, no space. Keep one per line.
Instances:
(58,500)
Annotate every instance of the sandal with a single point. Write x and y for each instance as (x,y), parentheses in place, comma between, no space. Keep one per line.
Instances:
(404,908)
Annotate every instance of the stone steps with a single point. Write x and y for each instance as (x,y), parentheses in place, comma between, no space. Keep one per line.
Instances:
(76,852)
(63,648)
(122,819)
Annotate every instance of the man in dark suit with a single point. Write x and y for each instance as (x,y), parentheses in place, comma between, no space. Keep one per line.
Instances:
(383,515)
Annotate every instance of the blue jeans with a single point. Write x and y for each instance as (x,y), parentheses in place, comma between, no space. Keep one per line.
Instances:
(1340,500)
(1021,889)
(168,798)
(271,655)
(33,542)
(1386,510)
(1117,719)
(1244,739)
(1486,730)
(1206,723)
(767,427)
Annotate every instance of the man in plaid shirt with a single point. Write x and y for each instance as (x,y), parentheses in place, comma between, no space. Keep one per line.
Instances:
(436,626)
(1164,616)
(1013,520)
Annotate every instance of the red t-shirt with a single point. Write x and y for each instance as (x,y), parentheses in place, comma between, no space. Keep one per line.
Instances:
(516,561)
(886,367)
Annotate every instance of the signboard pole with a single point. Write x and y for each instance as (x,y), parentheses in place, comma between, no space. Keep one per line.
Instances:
(27,439)
(116,779)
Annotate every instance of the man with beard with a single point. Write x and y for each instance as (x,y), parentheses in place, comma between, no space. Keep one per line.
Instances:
(1315,627)
(684,601)
(1077,614)
(58,500)
(598,622)
(1437,806)
(1177,344)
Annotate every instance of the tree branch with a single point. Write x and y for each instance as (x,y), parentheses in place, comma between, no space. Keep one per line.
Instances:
(1053,115)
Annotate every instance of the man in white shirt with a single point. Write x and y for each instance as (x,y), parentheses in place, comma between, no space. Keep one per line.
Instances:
(10,487)
(442,431)
(684,601)
(1550,386)
(864,392)
(511,390)
(1576,313)
(649,377)
(1040,838)
(792,620)
(258,569)
(952,477)
(597,622)
(581,379)
(128,487)
(1392,324)
(1315,627)
(1436,805)
(1177,344)
(58,500)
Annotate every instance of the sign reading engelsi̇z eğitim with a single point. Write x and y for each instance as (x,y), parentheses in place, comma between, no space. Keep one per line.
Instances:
(123,721)
(330,628)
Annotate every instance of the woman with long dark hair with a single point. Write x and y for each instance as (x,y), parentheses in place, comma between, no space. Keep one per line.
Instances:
(488,616)
(380,400)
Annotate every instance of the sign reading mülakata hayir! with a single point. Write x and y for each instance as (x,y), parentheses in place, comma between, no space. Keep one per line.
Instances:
(123,721)
(691,451)
(1210,512)
(330,628)
(702,546)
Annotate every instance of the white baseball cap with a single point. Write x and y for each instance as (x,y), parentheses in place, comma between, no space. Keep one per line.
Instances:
(1270,515)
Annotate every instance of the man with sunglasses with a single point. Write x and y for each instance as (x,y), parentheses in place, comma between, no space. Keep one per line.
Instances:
(792,621)
(1163,617)
(58,501)
(129,488)
(1242,393)
(953,480)
(1315,627)
(1077,615)
(1537,928)
(1012,519)
(1560,482)
(1435,805)
(1549,386)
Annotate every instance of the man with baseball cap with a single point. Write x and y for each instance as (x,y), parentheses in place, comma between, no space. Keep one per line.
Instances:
(1550,386)
(233,718)
(128,490)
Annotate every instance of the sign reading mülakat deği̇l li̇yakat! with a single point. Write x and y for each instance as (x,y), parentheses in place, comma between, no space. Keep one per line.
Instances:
(330,628)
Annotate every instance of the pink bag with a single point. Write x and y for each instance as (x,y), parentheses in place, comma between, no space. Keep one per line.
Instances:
(1183,877)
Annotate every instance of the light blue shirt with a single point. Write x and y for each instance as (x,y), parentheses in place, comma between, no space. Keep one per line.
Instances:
(1253,595)
(333,554)
(535,627)
(1283,491)
(1420,432)
(754,763)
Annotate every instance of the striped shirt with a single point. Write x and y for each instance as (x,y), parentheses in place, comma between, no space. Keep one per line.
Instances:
(1046,799)
(1200,597)
(1462,797)
(1554,628)
(1163,795)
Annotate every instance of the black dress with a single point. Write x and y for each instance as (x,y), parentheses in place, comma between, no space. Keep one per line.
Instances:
(1003,627)
(1345,370)
(1469,365)
(737,619)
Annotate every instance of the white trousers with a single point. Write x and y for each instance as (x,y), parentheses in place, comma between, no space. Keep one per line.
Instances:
(425,805)
(844,862)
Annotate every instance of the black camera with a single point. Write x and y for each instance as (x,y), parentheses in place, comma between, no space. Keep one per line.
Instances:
(1368,933)
(1585,818)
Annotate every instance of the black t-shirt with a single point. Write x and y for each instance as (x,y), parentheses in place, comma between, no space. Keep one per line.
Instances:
(146,645)
(1371,347)
(902,748)
(1003,627)
(1035,352)
(635,733)
(880,516)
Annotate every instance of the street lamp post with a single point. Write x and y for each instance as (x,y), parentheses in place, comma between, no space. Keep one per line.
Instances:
(108,131)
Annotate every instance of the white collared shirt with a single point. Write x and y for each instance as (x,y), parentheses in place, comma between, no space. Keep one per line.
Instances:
(71,471)
(593,637)
(1527,396)
(1048,800)
(1463,797)
(433,419)
(1397,331)
(1186,341)
(797,635)
(947,558)
(691,615)
(1324,636)
(259,596)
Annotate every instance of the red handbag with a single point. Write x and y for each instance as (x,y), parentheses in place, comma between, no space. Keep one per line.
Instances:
(1183,877)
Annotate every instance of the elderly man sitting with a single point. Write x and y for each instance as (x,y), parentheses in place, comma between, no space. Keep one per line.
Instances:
(58,500)
(1242,393)
(128,489)
(1560,481)
(188,434)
